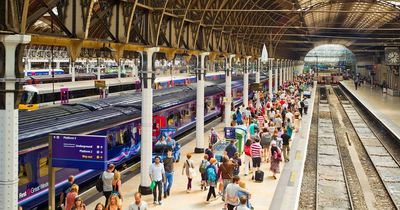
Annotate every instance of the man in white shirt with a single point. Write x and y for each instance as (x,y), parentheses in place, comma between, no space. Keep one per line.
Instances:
(231,193)
(107,178)
(157,174)
(138,204)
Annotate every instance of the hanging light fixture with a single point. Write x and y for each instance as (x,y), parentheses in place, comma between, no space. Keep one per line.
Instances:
(264,55)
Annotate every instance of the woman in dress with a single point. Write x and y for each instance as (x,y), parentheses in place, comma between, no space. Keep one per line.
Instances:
(276,158)
(116,184)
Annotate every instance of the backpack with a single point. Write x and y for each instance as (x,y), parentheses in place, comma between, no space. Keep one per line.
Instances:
(213,138)
(211,175)
(99,184)
(203,166)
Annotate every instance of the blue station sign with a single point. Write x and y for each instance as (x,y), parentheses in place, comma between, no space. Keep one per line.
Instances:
(79,151)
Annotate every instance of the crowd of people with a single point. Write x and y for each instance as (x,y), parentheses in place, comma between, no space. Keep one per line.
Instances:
(270,122)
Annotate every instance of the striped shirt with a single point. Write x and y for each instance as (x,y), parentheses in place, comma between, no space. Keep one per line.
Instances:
(260,119)
(255,150)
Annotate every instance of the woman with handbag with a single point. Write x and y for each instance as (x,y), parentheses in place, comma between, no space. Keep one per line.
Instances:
(188,168)
(276,158)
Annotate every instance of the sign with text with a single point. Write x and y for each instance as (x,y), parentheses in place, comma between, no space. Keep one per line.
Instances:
(256,87)
(230,132)
(79,151)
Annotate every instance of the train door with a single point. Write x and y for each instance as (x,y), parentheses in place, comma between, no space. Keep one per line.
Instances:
(158,123)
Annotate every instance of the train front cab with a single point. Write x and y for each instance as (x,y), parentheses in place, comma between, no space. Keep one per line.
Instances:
(29,99)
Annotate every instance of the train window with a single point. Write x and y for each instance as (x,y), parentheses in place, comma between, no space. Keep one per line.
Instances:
(29,97)
(29,173)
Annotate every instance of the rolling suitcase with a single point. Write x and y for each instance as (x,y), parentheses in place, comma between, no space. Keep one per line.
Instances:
(259,176)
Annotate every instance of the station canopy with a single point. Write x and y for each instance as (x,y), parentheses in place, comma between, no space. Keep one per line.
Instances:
(294,27)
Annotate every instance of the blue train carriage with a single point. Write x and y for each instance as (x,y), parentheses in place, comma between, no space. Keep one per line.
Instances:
(118,118)
(123,146)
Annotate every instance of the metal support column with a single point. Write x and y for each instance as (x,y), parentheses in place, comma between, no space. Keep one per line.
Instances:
(281,73)
(72,70)
(258,71)
(246,82)
(276,76)
(146,149)
(201,74)
(228,91)
(271,67)
(119,68)
(98,69)
(12,72)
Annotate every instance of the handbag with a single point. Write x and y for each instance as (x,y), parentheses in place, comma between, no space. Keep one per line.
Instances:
(99,184)
(152,185)
(192,172)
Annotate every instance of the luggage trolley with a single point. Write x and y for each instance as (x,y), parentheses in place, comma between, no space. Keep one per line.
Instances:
(236,133)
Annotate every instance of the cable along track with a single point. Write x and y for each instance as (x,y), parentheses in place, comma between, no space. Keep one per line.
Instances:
(332,189)
(386,166)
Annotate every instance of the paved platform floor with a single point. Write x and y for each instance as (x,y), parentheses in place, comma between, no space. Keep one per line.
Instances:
(384,106)
(181,200)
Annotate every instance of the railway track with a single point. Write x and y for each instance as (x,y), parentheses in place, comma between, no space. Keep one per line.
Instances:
(384,162)
(332,189)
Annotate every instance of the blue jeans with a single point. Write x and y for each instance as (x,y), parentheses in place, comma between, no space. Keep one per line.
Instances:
(169,181)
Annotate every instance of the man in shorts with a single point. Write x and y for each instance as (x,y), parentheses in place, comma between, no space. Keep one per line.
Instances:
(256,153)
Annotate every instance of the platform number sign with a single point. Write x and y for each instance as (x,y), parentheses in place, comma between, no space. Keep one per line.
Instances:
(392,56)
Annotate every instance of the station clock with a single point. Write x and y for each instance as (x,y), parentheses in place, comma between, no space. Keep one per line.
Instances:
(392,56)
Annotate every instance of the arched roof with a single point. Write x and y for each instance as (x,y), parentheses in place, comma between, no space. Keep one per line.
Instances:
(293,27)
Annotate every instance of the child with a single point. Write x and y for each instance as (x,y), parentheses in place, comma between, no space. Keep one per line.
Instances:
(202,169)
(244,198)
(238,161)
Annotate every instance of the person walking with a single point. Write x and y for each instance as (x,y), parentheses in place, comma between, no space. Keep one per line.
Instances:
(212,179)
(225,171)
(114,203)
(247,157)
(188,168)
(169,172)
(265,137)
(71,196)
(276,158)
(202,169)
(157,175)
(116,185)
(238,161)
(107,177)
(256,153)
(78,204)
(305,102)
(99,206)
(243,204)
(231,195)
(71,181)
(139,204)
(286,145)
(231,149)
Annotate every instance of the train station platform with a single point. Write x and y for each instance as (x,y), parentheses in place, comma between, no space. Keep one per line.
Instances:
(287,192)
(276,194)
(384,107)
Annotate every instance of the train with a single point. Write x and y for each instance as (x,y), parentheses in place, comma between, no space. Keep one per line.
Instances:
(34,95)
(41,72)
(118,118)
